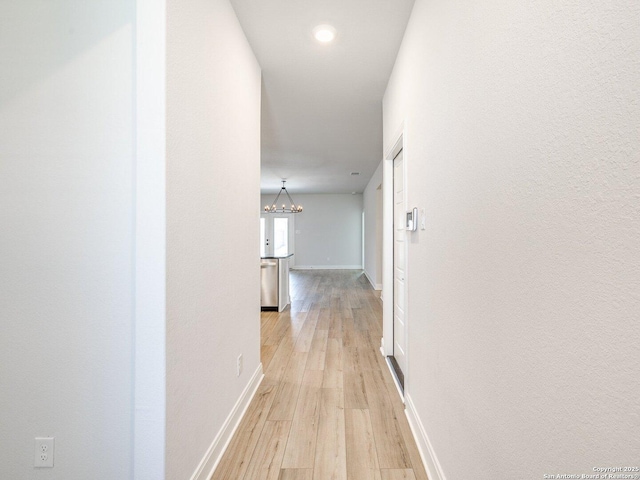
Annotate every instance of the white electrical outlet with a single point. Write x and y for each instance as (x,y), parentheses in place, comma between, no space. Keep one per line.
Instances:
(44,452)
(239,365)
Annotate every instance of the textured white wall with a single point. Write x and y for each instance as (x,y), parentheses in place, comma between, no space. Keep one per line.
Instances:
(522,145)
(372,223)
(213,154)
(330,230)
(66,210)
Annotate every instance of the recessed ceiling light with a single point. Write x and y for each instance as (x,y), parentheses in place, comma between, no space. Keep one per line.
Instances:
(324,33)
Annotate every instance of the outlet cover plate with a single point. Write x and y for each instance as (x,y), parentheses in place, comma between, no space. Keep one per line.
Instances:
(43,452)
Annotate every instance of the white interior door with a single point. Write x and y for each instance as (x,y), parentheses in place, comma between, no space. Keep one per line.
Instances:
(263,236)
(266,235)
(399,264)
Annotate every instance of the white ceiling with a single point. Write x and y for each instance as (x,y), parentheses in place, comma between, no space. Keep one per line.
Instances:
(322,103)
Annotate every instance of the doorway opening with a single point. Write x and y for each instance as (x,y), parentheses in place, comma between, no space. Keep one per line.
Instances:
(276,236)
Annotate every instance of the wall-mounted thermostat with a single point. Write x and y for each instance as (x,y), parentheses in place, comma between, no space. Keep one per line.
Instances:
(412,220)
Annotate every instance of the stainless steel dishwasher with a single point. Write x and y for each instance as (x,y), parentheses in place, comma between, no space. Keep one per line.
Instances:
(269,284)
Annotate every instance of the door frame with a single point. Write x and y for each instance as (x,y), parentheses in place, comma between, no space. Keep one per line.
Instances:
(387,250)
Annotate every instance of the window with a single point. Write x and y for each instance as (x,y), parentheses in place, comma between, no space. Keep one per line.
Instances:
(280,236)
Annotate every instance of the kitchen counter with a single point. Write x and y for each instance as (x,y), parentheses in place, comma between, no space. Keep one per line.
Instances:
(276,257)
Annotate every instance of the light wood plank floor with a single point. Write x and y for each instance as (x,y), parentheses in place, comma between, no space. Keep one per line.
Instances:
(327,408)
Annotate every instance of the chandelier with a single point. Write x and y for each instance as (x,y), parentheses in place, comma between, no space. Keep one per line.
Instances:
(285,209)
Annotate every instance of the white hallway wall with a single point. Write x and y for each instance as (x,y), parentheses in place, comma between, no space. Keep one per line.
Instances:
(66,241)
(71,191)
(213,154)
(330,230)
(522,145)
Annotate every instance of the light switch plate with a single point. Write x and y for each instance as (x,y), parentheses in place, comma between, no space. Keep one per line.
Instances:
(412,220)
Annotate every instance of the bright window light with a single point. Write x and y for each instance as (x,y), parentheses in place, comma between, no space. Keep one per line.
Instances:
(280,237)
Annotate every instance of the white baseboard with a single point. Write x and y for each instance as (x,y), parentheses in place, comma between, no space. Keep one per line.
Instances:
(376,286)
(327,267)
(429,459)
(217,448)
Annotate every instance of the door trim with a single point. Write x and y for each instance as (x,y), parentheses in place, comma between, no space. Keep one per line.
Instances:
(387,246)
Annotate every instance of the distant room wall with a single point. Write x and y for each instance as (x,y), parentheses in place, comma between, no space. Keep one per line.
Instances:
(328,233)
